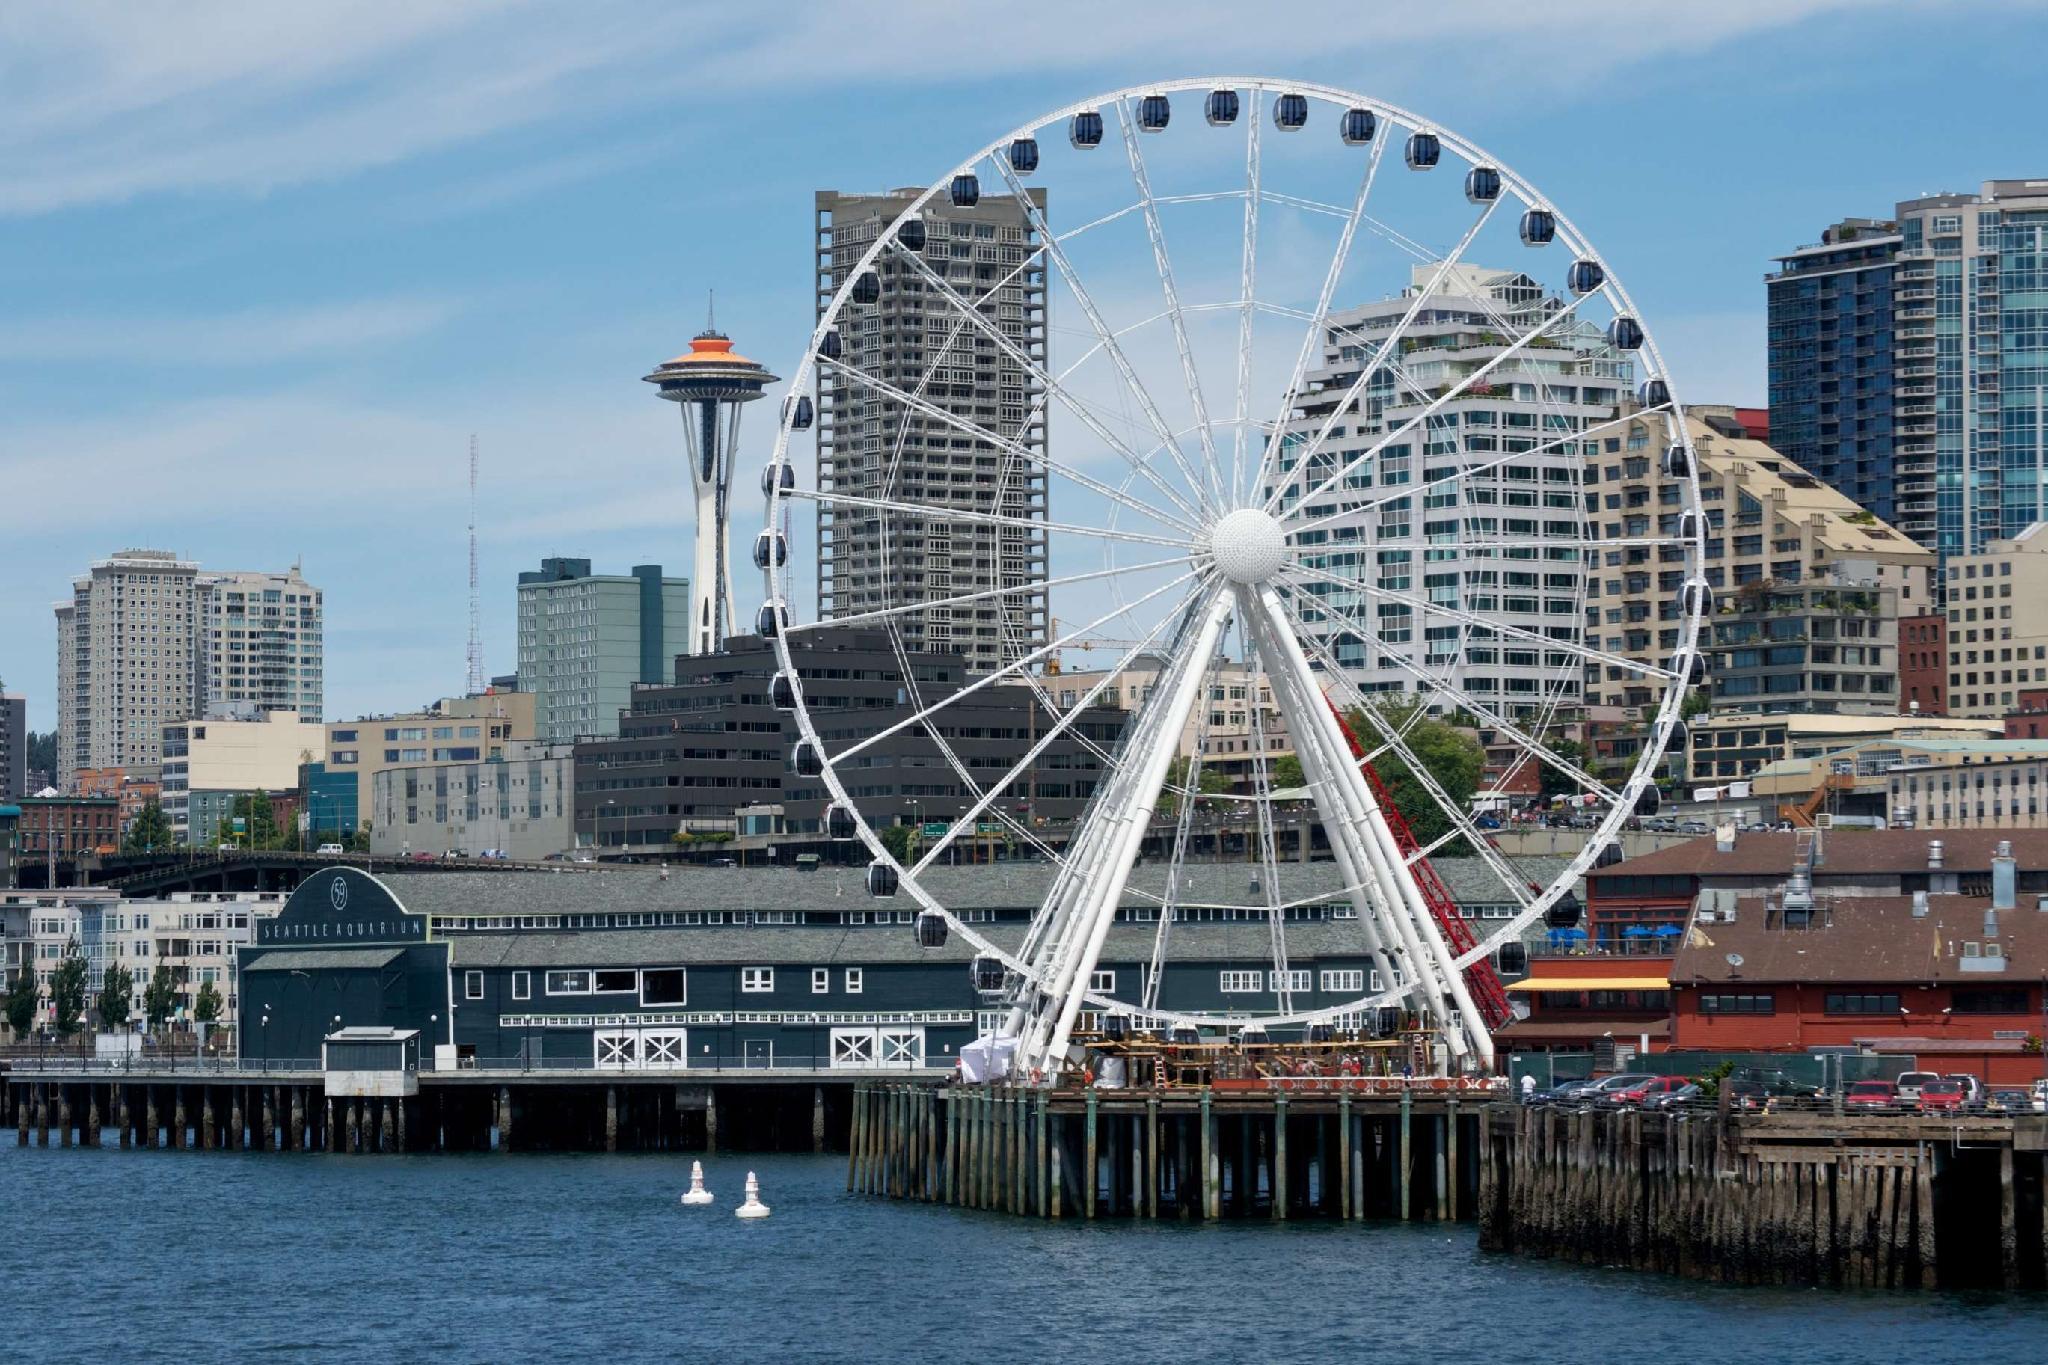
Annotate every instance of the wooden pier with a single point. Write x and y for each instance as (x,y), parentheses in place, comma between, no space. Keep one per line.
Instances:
(461,1111)
(1326,1151)
(1803,1197)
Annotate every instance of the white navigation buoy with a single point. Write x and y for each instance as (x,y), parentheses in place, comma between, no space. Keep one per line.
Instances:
(753,1207)
(697,1194)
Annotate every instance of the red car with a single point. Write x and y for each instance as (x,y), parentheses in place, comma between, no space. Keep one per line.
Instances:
(1937,1096)
(1870,1095)
(1646,1088)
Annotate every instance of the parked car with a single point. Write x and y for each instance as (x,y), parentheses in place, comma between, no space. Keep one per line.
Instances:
(1599,1090)
(1563,1092)
(494,855)
(1870,1095)
(423,857)
(330,850)
(2040,1089)
(1487,822)
(1630,1095)
(1676,1098)
(2009,1102)
(1909,1083)
(1694,827)
(1943,1096)
(1973,1089)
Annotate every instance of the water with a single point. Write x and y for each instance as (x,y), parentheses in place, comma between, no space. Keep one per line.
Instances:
(190,1256)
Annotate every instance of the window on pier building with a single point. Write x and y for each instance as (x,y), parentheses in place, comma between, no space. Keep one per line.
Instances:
(472,985)
(1861,1002)
(853,980)
(1728,1002)
(757,980)
(1989,1000)
(821,980)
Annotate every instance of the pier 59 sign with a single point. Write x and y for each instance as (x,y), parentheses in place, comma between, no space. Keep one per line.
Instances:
(341,905)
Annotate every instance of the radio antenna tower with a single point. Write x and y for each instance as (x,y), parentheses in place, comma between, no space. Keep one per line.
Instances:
(476,633)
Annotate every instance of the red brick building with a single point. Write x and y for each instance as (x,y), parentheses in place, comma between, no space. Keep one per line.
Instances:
(77,824)
(1923,664)
(2029,717)
(1935,977)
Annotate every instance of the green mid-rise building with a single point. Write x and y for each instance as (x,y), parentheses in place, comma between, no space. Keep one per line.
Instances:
(585,639)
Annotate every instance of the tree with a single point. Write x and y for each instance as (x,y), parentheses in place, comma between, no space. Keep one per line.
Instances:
(149,831)
(1447,754)
(117,994)
(1209,782)
(67,991)
(1287,773)
(896,838)
(22,998)
(259,823)
(160,997)
(1554,782)
(359,842)
(40,751)
(206,1006)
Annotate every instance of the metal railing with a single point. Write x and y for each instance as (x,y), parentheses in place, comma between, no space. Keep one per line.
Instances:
(159,1063)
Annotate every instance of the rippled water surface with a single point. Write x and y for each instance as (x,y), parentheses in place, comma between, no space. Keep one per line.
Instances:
(190,1256)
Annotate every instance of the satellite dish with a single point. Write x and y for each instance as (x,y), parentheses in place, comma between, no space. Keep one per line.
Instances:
(1735,959)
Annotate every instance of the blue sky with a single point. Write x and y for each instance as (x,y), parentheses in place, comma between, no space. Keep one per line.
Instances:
(263,269)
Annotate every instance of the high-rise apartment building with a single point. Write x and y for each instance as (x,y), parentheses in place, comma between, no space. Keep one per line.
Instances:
(477,729)
(1998,623)
(1475,546)
(1930,322)
(586,638)
(1831,367)
(147,638)
(262,639)
(127,661)
(913,339)
(13,747)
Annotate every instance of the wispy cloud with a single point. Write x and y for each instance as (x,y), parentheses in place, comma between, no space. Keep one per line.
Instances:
(108,101)
(254,336)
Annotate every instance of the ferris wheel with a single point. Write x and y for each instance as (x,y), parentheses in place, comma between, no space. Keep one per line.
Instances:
(1321,431)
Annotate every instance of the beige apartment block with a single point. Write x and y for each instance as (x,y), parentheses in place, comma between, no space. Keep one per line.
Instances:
(452,730)
(1998,623)
(1807,586)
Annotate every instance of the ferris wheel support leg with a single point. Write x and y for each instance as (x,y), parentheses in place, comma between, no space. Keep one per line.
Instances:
(1418,928)
(1126,824)
(1325,760)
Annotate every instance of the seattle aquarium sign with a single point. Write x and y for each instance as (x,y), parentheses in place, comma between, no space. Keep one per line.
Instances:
(341,905)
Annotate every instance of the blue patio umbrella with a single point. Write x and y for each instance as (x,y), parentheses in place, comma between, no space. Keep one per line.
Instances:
(1636,931)
(1668,931)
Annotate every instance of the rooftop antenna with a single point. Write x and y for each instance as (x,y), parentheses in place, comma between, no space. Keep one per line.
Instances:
(476,635)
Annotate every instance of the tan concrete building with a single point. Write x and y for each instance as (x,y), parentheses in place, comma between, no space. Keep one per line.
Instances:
(216,757)
(1808,587)
(1985,784)
(520,803)
(1998,623)
(1240,712)
(1733,746)
(452,730)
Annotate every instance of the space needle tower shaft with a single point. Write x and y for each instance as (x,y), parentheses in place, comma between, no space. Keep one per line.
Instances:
(712,383)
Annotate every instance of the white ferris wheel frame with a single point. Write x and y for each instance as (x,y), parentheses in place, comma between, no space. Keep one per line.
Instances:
(1057,976)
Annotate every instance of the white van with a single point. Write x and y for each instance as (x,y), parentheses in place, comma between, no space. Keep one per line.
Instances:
(330,850)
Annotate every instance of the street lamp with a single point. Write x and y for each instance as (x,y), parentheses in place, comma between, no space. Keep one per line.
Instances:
(263,1036)
(600,831)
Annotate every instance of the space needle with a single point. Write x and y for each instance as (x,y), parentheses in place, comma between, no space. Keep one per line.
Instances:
(711,382)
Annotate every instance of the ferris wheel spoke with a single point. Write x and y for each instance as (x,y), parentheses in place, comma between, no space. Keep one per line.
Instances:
(1058,728)
(1105,335)
(1451,394)
(1449,613)
(1164,264)
(974,318)
(990,679)
(1262,791)
(1394,740)
(1467,472)
(1319,320)
(919,511)
(918,403)
(1464,700)
(1247,291)
(1373,366)
(986,594)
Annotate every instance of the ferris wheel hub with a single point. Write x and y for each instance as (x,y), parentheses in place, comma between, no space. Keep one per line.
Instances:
(1248,545)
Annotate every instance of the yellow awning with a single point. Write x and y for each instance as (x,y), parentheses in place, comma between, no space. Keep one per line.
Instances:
(1591,983)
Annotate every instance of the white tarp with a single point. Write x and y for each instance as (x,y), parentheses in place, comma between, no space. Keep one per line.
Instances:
(987,1058)
(1115,1074)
